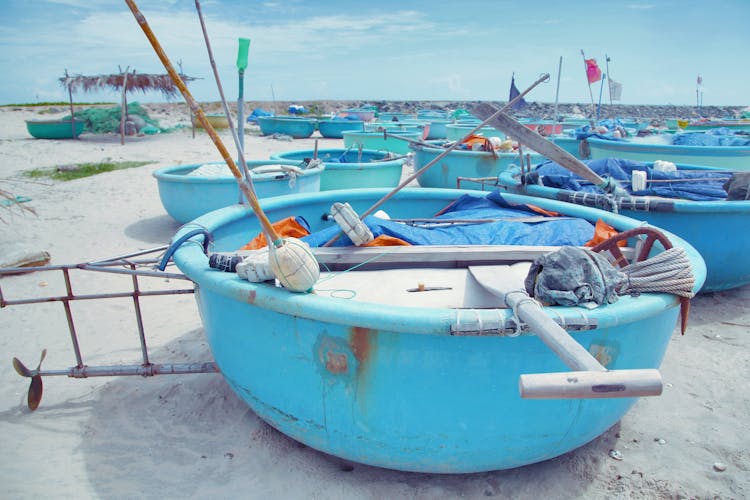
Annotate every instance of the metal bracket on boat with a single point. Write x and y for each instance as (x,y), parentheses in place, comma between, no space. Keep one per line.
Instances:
(124,264)
(478,322)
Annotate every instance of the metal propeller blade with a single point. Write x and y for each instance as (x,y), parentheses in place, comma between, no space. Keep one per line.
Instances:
(36,388)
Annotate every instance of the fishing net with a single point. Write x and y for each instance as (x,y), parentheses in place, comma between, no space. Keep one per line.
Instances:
(107,120)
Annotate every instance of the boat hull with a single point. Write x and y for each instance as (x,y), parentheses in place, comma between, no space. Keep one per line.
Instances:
(359,171)
(334,129)
(187,197)
(54,129)
(377,141)
(726,157)
(716,229)
(298,128)
(408,388)
(454,169)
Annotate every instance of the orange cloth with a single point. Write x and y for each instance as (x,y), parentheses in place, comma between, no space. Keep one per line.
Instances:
(387,241)
(286,228)
(603,232)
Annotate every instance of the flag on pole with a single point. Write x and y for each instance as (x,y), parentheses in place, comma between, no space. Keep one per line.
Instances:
(593,73)
(615,90)
(513,93)
(700,80)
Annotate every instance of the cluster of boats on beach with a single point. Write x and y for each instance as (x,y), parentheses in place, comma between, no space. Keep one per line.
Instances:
(404,356)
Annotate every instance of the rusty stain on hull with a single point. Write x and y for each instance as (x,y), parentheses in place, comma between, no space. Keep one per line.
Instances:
(251,297)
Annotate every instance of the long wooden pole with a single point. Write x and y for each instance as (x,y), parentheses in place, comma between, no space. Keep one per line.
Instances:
(543,78)
(244,185)
(557,92)
(72,114)
(123,104)
(524,135)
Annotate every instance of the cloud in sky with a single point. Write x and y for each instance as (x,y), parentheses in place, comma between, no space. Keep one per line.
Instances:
(389,50)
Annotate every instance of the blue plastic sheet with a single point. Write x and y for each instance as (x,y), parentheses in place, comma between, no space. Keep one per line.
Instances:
(554,231)
(715,137)
(707,184)
(256,113)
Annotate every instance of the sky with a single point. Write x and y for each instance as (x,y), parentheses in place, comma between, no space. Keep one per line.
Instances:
(387,50)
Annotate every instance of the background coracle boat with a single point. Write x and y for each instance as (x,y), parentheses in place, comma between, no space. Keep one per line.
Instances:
(332,128)
(726,157)
(296,127)
(380,141)
(460,166)
(717,228)
(351,168)
(407,386)
(54,129)
(186,193)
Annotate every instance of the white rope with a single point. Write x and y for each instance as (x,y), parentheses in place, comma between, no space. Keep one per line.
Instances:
(667,272)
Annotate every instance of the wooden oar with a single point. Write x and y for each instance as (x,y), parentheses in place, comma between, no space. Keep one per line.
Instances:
(293,264)
(485,121)
(524,135)
(590,379)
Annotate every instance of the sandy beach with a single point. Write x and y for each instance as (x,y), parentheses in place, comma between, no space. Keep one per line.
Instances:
(189,436)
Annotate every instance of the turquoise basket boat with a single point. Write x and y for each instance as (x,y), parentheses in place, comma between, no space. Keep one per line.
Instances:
(351,169)
(299,128)
(54,129)
(377,141)
(458,167)
(726,157)
(409,386)
(186,197)
(334,129)
(717,229)
(457,131)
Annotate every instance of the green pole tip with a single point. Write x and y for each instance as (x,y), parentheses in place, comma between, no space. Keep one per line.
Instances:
(243,53)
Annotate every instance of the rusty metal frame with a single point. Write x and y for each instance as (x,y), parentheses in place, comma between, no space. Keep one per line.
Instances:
(123,264)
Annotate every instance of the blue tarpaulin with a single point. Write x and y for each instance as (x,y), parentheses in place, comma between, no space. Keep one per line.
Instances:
(706,186)
(715,137)
(554,231)
(257,112)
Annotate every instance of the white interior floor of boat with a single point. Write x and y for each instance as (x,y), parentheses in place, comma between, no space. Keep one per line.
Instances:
(458,288)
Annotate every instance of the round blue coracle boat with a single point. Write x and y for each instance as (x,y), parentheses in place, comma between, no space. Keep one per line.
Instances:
(410,385)
(350,168)
(189,191)
(298,128)
(462,169)
(713,225)
(334,129)
(726,157)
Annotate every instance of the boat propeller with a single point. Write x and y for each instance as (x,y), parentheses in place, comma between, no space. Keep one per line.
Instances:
(35,388)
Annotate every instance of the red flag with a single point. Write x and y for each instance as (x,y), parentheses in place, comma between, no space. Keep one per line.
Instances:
(593,72)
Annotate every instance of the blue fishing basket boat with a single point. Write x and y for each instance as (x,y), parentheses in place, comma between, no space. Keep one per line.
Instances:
(350,168)
(726,157)
(54,129)
(410,386)
(334,129)
(378,141)
(187,196)
(463,169)
(718,229)
(299,128)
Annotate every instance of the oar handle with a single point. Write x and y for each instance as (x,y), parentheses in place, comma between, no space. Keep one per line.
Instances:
(591,384)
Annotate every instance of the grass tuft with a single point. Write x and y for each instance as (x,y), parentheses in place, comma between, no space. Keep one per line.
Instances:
(80,170)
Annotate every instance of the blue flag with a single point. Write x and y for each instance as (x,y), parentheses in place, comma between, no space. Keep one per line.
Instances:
(513,93)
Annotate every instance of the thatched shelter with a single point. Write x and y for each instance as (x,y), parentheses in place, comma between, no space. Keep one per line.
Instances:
(124,82)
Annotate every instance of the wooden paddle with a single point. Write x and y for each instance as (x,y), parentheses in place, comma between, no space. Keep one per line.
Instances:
(590,379)
(499,120)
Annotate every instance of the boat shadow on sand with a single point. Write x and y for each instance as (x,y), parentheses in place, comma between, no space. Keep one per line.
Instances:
(206,441)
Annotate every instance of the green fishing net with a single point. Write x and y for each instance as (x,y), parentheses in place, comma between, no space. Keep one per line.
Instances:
(107,120)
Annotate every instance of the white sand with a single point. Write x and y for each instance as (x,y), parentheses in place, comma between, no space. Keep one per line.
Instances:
(190,437)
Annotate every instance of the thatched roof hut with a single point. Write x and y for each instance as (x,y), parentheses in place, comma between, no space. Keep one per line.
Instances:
(124,82)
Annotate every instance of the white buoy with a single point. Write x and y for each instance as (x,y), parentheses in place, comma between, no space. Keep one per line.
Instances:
(351,224)
(638,181)
(294,265)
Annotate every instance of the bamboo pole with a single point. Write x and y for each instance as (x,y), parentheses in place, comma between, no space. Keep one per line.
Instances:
(244,184)
(123,105)
(557,92)
(72,114)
